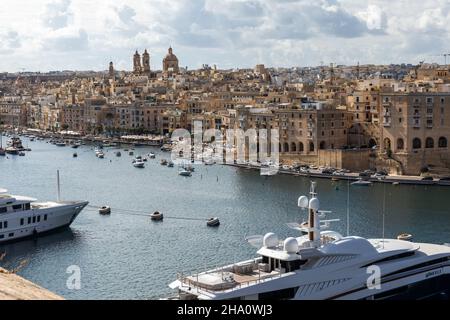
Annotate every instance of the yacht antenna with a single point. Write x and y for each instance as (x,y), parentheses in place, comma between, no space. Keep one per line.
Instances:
(59,186)
(384,211)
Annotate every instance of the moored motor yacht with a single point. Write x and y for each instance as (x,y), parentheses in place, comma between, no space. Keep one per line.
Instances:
(324,265)
(22,217)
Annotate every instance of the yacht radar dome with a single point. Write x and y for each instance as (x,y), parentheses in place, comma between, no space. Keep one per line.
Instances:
(291,245)
(303,202)
(314,204)
(270,240)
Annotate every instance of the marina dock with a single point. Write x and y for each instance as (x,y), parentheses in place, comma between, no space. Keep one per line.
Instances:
(391,179)
(13,287)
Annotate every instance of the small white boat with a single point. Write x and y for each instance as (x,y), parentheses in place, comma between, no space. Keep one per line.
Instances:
(362,183)
(100,155)
(405,237)
(213,222)
(139,163)
(105,210)
(170,164)
(157,216)
(185,173)
(152,155)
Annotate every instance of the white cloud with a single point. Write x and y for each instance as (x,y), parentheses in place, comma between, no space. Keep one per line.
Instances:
(83,34)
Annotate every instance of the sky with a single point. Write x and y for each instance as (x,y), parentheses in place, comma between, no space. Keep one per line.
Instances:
(43,35)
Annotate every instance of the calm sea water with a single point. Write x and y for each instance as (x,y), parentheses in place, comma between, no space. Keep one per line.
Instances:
(129,257)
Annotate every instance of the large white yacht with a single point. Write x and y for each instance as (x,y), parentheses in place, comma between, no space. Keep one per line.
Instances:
(22,217)
(325,265)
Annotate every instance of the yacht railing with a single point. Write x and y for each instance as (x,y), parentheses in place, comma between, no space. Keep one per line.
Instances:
(227,286)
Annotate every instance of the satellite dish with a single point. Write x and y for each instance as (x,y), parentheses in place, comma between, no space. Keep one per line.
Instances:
(256,241)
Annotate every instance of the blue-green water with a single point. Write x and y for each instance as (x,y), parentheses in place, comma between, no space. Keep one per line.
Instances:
(130,257)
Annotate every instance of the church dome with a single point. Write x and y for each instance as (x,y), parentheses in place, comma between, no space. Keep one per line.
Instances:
(170,56)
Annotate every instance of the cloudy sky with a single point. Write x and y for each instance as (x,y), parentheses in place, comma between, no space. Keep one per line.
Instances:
(42,35)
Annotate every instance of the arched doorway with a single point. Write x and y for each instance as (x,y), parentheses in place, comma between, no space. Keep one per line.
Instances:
(301,148)
(311,147)
(293,147)
(322,145)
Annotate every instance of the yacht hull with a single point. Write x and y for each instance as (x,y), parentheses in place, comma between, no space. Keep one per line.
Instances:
(40,221)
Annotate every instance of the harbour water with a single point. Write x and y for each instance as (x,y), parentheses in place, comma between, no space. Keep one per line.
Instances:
(127,256)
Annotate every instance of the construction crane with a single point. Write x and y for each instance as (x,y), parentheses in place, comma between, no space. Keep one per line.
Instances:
(445,55)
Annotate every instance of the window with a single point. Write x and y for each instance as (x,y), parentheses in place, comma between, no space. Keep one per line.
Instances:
(29,220)
(429,143)
(400,144)
(3,210)
(284,294)
(17,207)
(1,236)
(417,143)
(442,142)
(11,235)
(45,217)
(34,219)
(21,222)
(38,218)
(27,206)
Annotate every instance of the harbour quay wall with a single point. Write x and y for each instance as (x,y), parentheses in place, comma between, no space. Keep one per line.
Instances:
(354,160)
(14,287)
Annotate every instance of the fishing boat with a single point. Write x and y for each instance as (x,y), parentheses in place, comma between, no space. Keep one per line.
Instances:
(170,164)
(163,162)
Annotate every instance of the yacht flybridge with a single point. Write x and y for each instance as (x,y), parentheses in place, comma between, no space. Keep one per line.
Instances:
(22,217)
(325,265)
